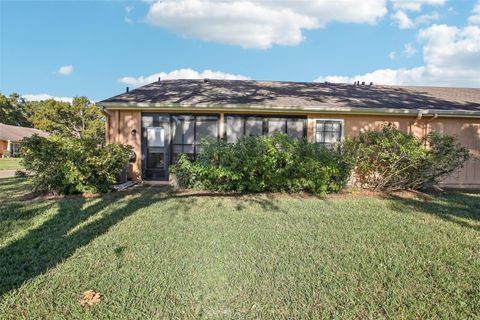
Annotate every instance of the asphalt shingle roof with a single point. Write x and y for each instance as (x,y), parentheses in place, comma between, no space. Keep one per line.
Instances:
(14,133)
(299,94)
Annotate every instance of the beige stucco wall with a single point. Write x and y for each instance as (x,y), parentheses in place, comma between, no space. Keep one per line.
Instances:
(354,124)
(467,129)
(121,122)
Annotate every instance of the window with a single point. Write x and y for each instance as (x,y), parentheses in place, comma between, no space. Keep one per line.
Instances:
(238,126)
(188,131)
(15,149)
(328,131)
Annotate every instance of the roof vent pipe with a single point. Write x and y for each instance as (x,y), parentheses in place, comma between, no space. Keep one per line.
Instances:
(127,90)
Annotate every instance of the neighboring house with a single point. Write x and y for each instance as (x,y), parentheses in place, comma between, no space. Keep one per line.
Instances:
(166,118)
(10,137)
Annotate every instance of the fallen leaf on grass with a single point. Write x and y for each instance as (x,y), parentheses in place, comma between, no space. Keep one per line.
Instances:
(90,298)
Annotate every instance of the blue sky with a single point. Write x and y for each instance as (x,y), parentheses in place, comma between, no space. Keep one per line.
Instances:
(97,48)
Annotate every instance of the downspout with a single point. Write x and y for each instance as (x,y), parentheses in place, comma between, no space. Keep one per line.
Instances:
(414,122)
(425,130)
(104,111)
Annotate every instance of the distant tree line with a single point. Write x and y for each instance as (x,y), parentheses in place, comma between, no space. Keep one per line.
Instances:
(79,119)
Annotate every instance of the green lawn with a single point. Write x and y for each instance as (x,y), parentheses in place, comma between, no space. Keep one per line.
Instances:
(10,164)
(155,254)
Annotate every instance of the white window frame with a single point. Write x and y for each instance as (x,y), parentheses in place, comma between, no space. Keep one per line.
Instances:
(342,130)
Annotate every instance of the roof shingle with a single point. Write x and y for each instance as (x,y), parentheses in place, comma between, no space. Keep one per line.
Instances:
(298,94)
(15,133)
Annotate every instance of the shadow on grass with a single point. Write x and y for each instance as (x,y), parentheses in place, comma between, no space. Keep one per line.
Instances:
(60,236)
(44,247)
(461,207)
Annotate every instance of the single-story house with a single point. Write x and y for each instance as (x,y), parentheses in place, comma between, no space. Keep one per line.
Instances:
(168,117)
(10,137)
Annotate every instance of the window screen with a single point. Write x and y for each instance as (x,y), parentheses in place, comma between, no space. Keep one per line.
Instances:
(328,132)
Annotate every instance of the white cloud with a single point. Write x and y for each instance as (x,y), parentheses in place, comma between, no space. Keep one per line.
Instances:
(427,18)
(392,55)
(127,18)
(44,96)
(180,74)
(475,17)
(382,76)
(404,22)
(450,54)
(256,23)
(409,50)
(416,5)
(65,70)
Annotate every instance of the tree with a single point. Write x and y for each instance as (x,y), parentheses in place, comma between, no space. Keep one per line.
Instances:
(80,119)
(14,111)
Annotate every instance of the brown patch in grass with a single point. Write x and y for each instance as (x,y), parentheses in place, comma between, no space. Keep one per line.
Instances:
(90,298)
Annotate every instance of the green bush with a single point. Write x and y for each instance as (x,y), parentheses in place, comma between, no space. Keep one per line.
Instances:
(390,160)
(67,166)
(257,164)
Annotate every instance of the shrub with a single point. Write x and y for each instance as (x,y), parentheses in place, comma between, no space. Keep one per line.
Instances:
(391,160)
(257,164)
(66,166)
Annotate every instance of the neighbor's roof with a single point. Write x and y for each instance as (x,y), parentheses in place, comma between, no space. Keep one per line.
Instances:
(299,96)
(14,133)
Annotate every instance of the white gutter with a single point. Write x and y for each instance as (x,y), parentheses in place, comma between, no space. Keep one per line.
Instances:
(286,109)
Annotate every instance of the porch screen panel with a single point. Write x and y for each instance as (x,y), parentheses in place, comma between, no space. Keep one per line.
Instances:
(296,128)
(253,126)
(205,128)
(184,136)
(235,128)
(276,125)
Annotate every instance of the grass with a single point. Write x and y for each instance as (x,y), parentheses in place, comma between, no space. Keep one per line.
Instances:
(155,254)
(10,164)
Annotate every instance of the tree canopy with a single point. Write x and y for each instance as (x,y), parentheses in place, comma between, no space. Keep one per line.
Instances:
(14,111)
(79,119)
